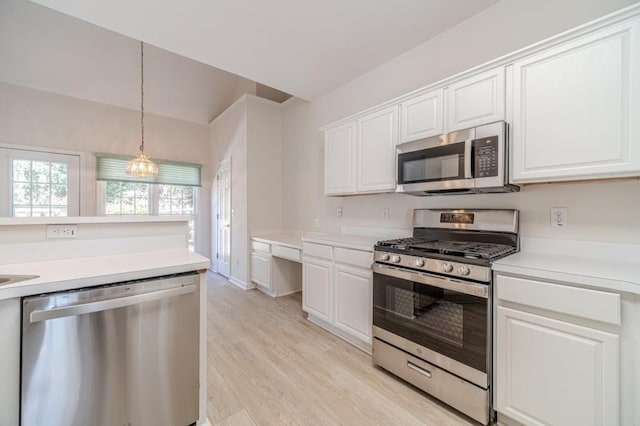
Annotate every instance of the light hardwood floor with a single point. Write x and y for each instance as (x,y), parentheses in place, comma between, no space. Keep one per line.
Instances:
(268,365)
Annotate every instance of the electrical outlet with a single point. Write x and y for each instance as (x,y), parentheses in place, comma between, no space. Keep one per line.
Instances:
(316,223)
(62,231)
(339,212)
(559,217)
(385,213)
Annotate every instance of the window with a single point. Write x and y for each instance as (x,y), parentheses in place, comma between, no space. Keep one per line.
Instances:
(174,192)
(39,184)
(126,198)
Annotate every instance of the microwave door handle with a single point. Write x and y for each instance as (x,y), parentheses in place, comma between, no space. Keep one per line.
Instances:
(467,159)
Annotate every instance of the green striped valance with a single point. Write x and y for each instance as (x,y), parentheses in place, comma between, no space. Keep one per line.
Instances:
(113,167)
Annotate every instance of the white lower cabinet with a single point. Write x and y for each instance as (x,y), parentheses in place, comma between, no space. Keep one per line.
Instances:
(337,291)
(353,300)
(554,366)
(275,268)
(317,283)
(261,269)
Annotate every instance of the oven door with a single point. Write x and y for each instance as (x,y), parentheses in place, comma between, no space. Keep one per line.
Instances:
(434,168)
(442,320)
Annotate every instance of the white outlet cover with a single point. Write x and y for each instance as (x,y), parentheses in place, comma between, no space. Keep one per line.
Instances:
(559,217)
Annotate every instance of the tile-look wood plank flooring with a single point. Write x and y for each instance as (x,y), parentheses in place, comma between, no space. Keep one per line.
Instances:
(268,365)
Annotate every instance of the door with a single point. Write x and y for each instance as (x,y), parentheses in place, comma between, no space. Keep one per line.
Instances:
(377,139)
(116,355)
(38,183)
(576,108)
(353,301)
(316,287)
(551,372)
(447,316)
(223,215)
(476,100)
(339,159)
(422,116)
(261,269)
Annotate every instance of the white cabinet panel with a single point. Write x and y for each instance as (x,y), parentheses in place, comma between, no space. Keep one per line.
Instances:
(377,138)
(353,293)
(261,269)
(476,100)
(317,283)
(422,116)
(339,160)
(553,372)
(576,108)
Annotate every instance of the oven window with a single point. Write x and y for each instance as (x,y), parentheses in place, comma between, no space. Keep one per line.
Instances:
(432,164)
(447,322)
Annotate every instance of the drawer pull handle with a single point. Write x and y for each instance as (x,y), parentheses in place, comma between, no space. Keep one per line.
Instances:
(418,369)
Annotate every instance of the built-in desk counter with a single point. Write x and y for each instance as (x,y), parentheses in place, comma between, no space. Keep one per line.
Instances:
(276,262)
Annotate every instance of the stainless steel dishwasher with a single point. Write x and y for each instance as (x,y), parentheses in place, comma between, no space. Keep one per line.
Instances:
(119,355)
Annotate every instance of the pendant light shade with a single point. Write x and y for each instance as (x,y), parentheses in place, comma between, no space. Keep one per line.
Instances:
(142,166)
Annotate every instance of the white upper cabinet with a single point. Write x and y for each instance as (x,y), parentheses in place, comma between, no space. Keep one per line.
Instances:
(422,116)
(476,100)
(377,138)
(576,108)
(339,159)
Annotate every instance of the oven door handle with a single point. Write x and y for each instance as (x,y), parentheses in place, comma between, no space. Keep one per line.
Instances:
(472,289)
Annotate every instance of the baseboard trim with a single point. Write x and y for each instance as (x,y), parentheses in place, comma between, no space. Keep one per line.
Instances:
(363,346)
(239,283)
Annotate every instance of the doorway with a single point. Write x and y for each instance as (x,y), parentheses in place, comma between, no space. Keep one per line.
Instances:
(223,216)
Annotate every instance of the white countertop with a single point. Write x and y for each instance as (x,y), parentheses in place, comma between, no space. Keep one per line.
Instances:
(21,221)
(65,274)
(287,239)
(591,264)
(359,238)
(357,242)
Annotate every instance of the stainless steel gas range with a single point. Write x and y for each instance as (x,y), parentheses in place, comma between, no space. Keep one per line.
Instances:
(432,303)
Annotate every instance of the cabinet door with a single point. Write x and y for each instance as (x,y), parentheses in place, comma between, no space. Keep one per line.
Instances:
(316,288)
(422,116)
(576,108)
(553,372)
(261,269)
(476,100)
(353,293)
(376,153)
(339,160)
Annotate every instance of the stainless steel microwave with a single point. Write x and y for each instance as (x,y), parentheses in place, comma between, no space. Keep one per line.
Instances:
(467,161)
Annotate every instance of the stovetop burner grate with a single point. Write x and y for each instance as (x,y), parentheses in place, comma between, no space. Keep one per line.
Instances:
(467,249)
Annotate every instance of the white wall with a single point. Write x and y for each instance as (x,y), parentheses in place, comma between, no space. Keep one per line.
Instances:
(602,211)
(249,132)
(228,134)
(35,118)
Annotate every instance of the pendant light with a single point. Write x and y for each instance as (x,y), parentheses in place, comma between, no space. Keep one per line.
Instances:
(142,166)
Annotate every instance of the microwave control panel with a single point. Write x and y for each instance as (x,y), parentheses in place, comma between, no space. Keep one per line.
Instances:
(485,157)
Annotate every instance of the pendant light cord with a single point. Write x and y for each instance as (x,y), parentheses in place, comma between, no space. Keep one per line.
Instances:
(142,95)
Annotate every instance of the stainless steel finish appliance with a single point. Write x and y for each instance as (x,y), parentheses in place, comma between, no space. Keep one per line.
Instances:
(122,354)
(467,161)
(432,303)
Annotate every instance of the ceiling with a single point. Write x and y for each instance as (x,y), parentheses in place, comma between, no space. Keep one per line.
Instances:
(300,47)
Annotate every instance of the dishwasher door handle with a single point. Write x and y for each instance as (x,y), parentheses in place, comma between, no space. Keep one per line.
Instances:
(104,305)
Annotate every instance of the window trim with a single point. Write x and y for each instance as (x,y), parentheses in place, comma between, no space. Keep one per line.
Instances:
(74,203)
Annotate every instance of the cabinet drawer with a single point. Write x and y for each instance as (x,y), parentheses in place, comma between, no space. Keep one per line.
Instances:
(579,302)
(317,250)
(258,246)
(353,257)
(286,252)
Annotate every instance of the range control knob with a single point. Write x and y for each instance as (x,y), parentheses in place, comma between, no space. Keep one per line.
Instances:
(447,267)
(463,270)
(384,257)
(418,262)
(395,258)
